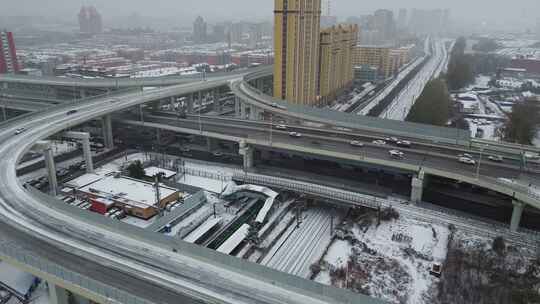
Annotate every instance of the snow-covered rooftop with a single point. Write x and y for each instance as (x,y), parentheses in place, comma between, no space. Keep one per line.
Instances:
(152,171)
(133,191)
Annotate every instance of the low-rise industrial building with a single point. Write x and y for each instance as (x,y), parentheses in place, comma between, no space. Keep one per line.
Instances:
(137,198)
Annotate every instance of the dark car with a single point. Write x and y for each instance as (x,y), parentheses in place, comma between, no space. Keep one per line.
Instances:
(71,112)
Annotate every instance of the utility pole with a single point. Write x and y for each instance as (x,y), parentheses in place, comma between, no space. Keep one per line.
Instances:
(271,127)
(4,115)
(157,179)
(479,163)
(200,106)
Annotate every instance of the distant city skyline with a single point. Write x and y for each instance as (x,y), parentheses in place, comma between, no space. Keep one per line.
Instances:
(519,11)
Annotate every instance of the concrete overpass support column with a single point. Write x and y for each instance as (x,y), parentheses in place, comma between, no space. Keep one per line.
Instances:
(5,85)
(417,188)
(247,152)
(217,102)
(190,103)
(158,136)
(252,113)
(516,215)
(57,294)
(237,107)
(209,144)
(51,169)
(243,110)
(108,132)
(82,93)
(172,102)
(87,152)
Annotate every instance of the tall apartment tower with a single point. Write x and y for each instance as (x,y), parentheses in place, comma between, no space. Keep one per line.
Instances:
(200,30)
(336,60)
(90,21)
(296,47)
(8,54)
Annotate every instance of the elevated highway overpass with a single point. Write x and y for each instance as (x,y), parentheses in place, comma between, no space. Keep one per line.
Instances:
(420,160)
(122,258)
(175,269)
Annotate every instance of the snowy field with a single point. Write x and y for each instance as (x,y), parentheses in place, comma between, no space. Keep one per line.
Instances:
(390,262)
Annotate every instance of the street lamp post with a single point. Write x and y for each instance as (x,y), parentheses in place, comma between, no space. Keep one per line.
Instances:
(479,163)
(271,127)
(199,111)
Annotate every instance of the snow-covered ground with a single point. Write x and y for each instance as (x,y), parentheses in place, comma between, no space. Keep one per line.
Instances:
(402,104)
(392,261)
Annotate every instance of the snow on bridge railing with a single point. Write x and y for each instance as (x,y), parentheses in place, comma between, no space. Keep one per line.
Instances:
(323,191)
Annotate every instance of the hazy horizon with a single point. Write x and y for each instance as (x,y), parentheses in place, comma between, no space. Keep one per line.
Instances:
(518,13)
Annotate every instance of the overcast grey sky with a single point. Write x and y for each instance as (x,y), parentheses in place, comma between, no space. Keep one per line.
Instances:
(501,11)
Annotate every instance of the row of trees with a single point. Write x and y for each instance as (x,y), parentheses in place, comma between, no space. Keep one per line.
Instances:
(522,122)
(460,72)
(434,105)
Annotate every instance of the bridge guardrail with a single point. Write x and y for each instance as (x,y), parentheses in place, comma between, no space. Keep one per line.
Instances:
(67,104)
(108,293)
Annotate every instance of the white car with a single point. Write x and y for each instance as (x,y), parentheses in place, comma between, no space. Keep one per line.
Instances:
(467,161)
(392,139)
(379,142)
(530,155)
(496,158)
(356,143)
(281,127)
(295,134)
(466,155)
(396,154)
(19,131)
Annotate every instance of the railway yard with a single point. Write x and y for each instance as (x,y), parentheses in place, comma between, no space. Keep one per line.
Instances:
(390,253)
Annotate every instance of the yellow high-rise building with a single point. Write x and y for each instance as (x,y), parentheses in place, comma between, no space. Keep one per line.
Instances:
(336,60)
(296,47)
(377,56)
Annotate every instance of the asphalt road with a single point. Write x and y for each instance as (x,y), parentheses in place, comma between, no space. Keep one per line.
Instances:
(327,140)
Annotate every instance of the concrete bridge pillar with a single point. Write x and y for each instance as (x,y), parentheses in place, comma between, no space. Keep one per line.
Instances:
(210,143)
(247,152)
(217,102)
(171,103)
(237,112)
(200,98)
(158,136)
(87,153)
(108,138)
(5,85)
(252,113)
(260,84)
(417,187)
(57,294)
(516,215)
(51,169)
(243,110)
(82,93)
(50,166)
(190,103)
